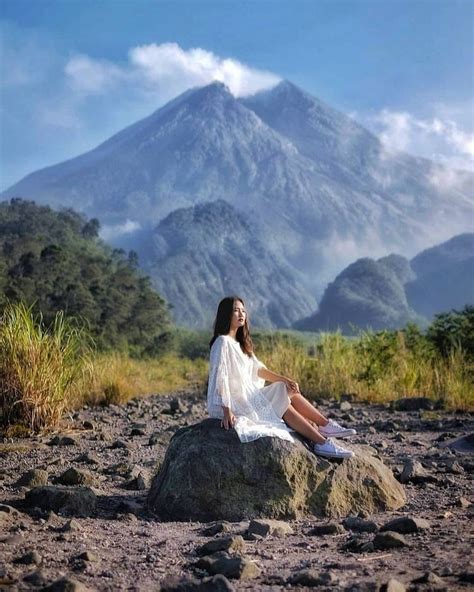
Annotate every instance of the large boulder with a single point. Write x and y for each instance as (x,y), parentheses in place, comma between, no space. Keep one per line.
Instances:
(208,474)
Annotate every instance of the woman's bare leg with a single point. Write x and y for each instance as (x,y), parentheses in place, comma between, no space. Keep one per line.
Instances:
(304,407)
(299,423)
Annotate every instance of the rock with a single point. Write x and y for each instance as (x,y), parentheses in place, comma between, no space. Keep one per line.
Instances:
(311,578)
(269,527)
(88,425)
(62,441)
(88,556)
(429,578)
(66,584)
(217,583)
(139,483)
(36,578)
(463,502)
(393,585)
(208,474)
(89,459)
(73,476)
(413,471)
(120,444)
(329,528)
(70,526)
(78,501)
(231,543)
(358,544)
(235,568)
(33,478)
(32,557)
(406,525)
(359,524)
(452,466)
(461,444)
(345,406)
(154,439)
(413,404)
(466,576)
(216,528)
(8,513)
(389,540)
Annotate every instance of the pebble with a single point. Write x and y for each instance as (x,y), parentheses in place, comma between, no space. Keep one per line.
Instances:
(389,540)
(269,527)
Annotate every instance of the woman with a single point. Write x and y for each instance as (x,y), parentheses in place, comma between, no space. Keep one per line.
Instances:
(237,395)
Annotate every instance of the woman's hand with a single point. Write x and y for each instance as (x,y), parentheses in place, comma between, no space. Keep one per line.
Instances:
(228,420)
(292,386)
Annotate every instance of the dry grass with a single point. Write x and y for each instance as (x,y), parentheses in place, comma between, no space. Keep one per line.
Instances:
(116,377)
(41,369)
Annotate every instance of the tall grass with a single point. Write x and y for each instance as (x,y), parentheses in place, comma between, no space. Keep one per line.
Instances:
(376,367)
(41,368)
(116,377)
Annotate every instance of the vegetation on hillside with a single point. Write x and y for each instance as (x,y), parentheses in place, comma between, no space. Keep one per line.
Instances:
(54,261)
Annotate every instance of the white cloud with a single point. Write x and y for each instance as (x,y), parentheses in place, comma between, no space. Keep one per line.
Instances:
(437,138)
(109,232)
(169,63)
(91,76)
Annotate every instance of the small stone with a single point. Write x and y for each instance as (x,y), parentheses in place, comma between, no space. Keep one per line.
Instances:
(66,584)
(88,556)
(32,557)
(33,478)
(463,502)
(311,578)
(120,444)
(87,425)
(35,578)
(329,528)
(89,459)
(452,466)
(345,406)
(62,441)
(269,527)
(359,524)
(389,540)
(79,501)
(235,568)
(70,526)
(406,525)
(231,543)
(415,472)
(73,476)
(216,528)
(429,578)
(393,585)
(154,439)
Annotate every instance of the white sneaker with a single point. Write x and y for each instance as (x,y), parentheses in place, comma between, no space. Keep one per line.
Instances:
(334,430)
(332,450)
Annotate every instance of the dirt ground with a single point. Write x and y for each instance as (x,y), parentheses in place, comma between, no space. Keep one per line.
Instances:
(127,549)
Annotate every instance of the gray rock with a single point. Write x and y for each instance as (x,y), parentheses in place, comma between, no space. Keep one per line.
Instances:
(217,583)
(120,444)
(226,482)
(389,540)
(393,585)
(345,406)
(462,444)
(31,557)
(73,476)
(231,543)
(360,524)
(452,466)
(62,441)
(329,528)
(88,556)
(235,568)
(66,584)
(36,578)
(264,528)
(33,478)
(78,501)
(414,472)
(88,458)
(413,404)
(216,528)
(70,526)
(429,578)
(406,525)
(311,578)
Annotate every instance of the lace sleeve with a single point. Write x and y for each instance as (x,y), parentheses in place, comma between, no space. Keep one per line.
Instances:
(218,394)
(257,364)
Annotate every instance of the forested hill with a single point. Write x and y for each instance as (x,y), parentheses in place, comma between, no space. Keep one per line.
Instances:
(55,261)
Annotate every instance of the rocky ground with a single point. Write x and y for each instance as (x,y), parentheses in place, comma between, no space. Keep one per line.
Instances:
(110,542)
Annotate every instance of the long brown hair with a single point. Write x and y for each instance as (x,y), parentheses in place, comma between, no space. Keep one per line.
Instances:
(222,324)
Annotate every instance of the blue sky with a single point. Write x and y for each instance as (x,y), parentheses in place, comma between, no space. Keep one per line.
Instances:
(76,71)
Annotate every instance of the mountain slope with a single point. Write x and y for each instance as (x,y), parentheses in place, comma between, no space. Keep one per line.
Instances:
(207,251)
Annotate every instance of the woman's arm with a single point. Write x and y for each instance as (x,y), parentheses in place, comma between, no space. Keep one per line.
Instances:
(270,376)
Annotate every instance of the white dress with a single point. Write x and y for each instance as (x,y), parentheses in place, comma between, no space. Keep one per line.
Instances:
(234,383)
